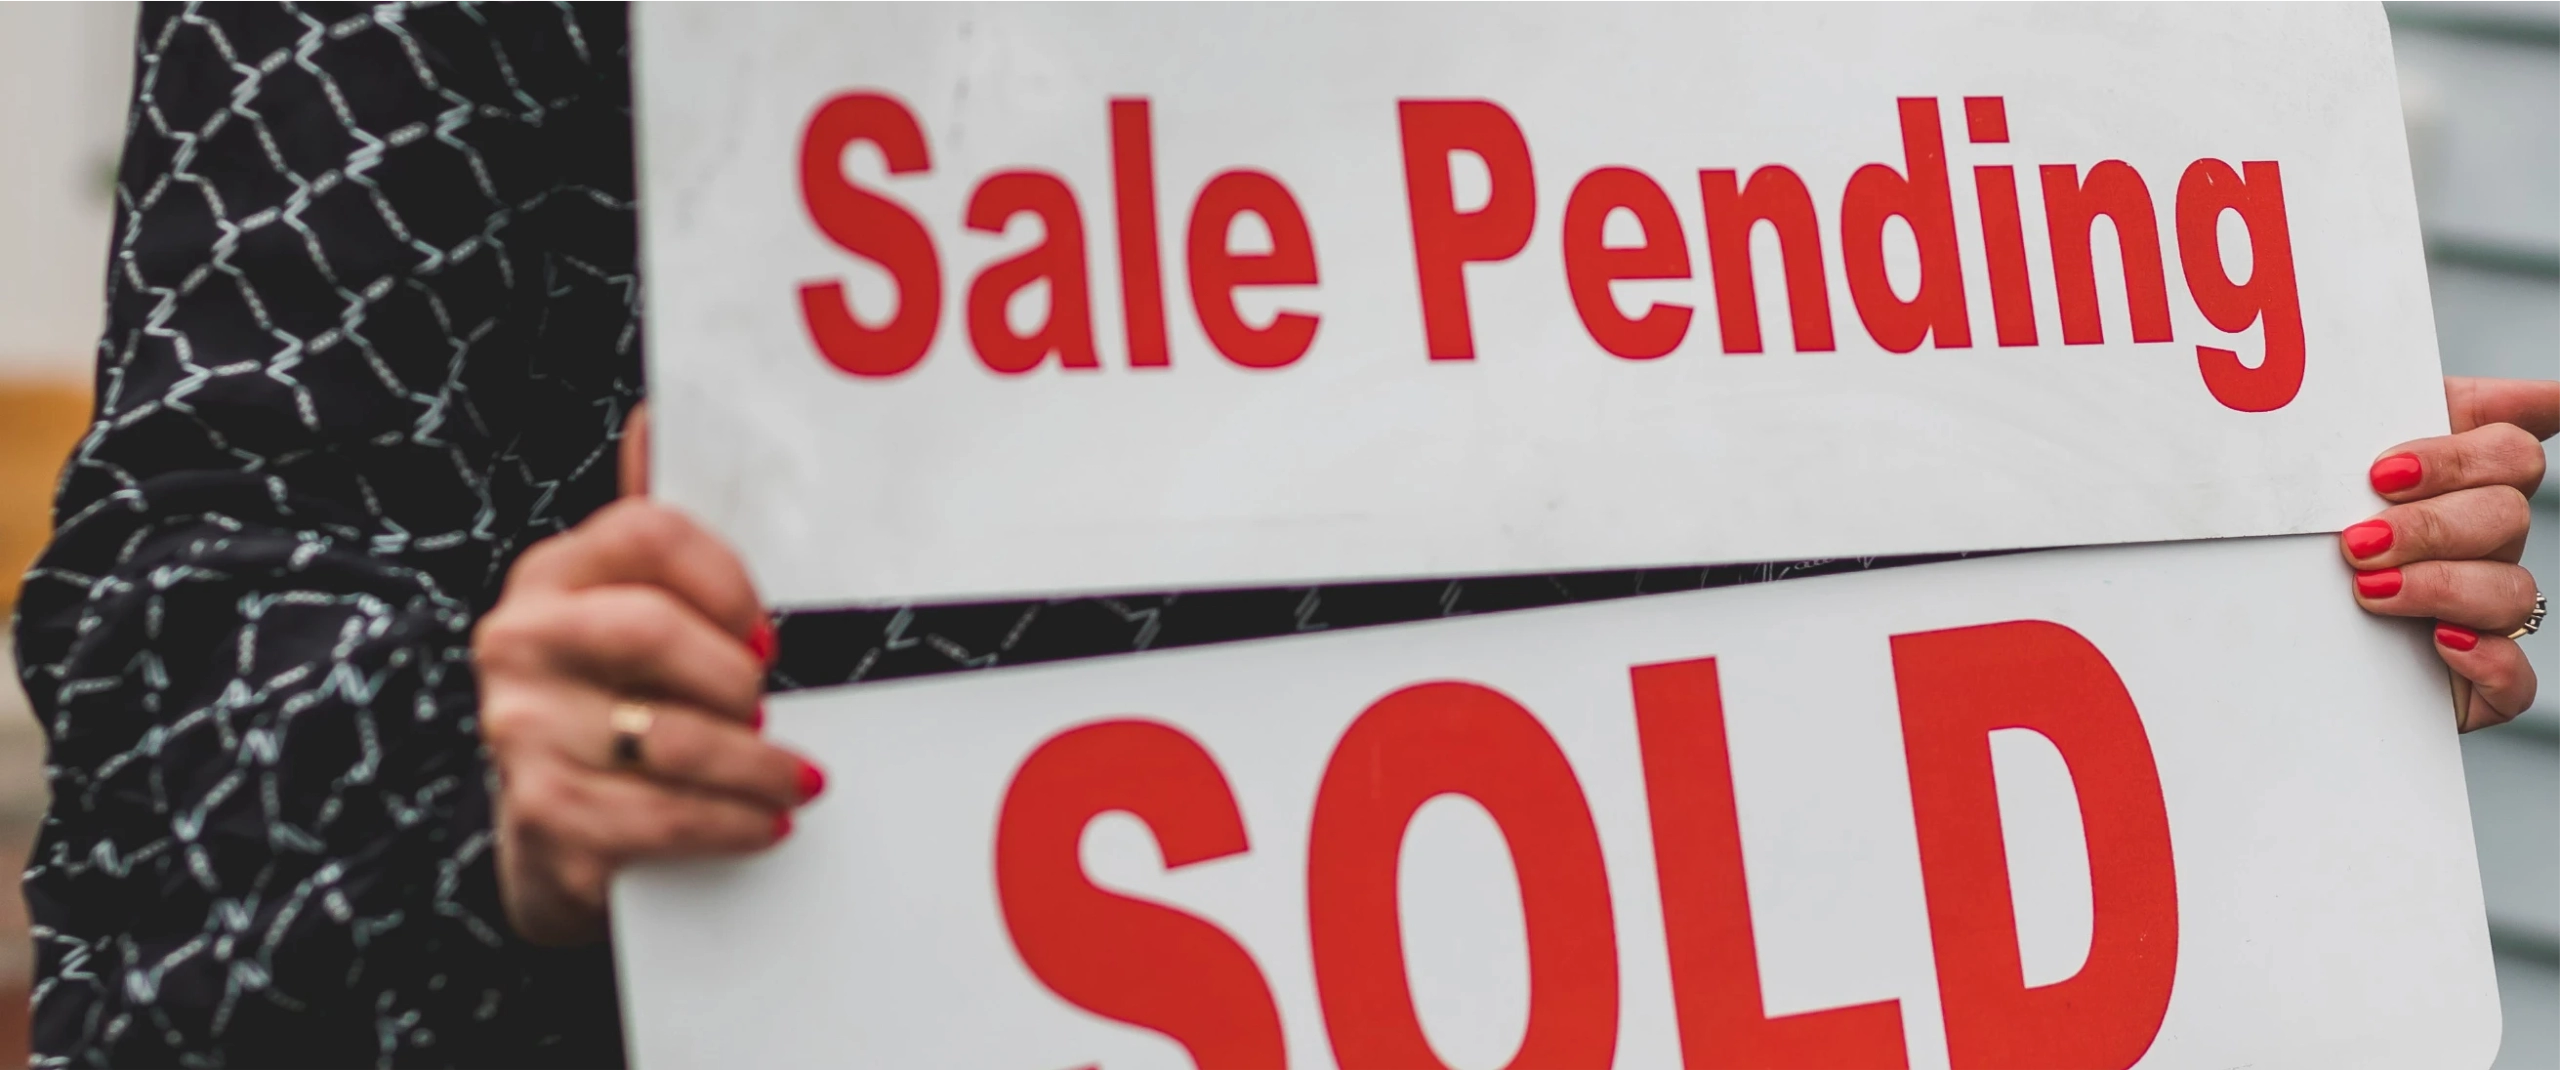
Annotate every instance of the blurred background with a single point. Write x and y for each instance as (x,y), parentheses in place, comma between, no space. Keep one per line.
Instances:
(2480,88)
(2480,83)
(64,70)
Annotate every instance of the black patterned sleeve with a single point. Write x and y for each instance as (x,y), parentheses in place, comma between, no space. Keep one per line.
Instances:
(370,331)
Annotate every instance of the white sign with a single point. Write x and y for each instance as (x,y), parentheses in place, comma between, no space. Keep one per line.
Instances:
(2169,806)
(1051,298)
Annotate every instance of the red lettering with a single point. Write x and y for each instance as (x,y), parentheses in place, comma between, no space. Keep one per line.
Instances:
(1446,240)
(1131,961)
(1133,189)
(1956,688)
(2004,245)
(1986,120)
(2269,298)
(1407,748)
(872,227)
(1216,272)
(1876,191)
(1067,329)
(2071,206)
(1706,905)
(1775,194)
(2004,240)
(1590,266)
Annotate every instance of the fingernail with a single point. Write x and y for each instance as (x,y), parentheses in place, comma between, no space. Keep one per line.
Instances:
(2457,636)
(781,825)
(762,642)
(757,722)
(2395,473)
(2368,538)
(2380,583)
(812,781)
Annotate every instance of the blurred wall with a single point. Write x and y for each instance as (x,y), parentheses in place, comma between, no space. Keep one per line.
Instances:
(2480,84)
(63,79)
(64,74)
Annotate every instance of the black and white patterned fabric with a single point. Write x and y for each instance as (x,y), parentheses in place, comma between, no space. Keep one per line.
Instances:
(373,329)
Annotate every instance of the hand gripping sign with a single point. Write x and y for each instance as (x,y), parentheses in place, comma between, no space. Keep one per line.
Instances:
(2151,806)
(1028,300)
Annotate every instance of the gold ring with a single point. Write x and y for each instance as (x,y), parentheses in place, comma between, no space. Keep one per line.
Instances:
(2533,621)
(630,721)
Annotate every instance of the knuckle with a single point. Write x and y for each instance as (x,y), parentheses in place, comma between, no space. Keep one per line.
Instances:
(2494,516)
(638,621)
(679,826)
(2421,526)
(504,725)
(511,637)
(644,832)
(497,636)
(539,800)
(676,746)
(2520,591)
(2510,445)
(543,556)
(2511,507)
(2422,585)
(647,528)
(2496,674)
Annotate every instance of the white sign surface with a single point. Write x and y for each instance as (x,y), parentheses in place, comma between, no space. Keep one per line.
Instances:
(1029,300)
(2179,806)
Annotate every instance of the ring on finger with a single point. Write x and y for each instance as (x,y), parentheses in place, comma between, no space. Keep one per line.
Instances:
(630,721)
(2533,620)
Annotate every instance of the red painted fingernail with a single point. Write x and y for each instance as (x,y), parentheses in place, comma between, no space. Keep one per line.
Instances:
(2380,583)
(781,825)
(2457,636)
(2368,538)
(2395,473)
(762,642)
(812,781)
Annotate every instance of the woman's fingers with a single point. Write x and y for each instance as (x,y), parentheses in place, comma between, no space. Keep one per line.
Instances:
(710,754)
(2493,681)
(718,756)
(618,818)
(2498,455)
(638,541)
(2482,522)
(2490,596)
(682,746)
(629,639)
(2532,404)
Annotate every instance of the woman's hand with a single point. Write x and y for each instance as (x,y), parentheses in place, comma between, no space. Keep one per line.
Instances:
(2448,548)
(636,607)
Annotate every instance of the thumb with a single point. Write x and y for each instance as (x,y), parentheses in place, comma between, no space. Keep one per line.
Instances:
(2532,404)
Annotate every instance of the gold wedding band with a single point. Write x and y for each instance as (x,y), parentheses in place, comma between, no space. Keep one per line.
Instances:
(630,721)
(2533,621)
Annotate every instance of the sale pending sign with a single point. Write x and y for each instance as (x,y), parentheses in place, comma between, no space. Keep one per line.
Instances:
(2147,806)
(1029,300)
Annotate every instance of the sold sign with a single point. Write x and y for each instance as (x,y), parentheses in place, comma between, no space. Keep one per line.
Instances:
(1219,857)
(1153,966)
